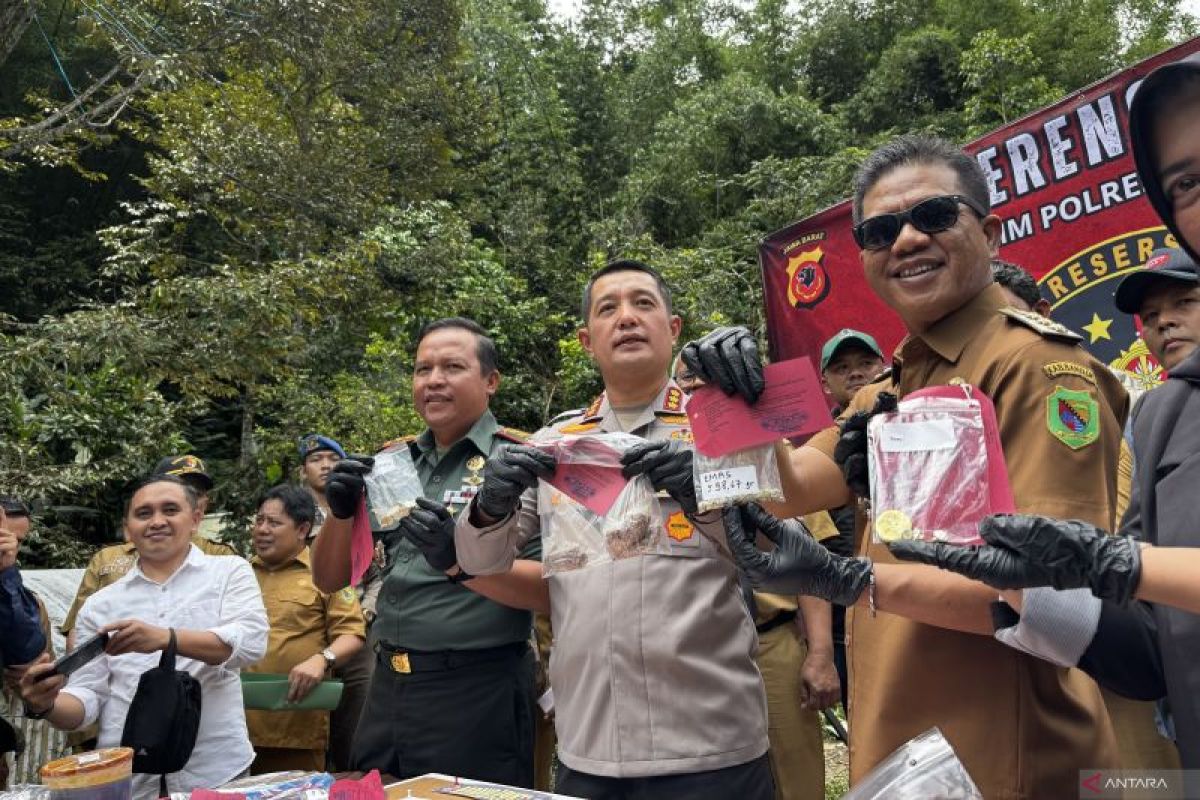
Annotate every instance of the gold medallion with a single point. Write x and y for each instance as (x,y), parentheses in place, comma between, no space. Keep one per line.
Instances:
(893,525)
(475,463)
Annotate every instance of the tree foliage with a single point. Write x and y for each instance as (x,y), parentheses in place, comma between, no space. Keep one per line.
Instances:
(234,238)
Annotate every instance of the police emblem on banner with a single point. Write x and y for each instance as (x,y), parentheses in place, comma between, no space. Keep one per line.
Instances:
(1080,291)
(808,281)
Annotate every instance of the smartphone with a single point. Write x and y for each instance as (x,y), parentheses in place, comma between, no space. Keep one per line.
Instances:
(81,655)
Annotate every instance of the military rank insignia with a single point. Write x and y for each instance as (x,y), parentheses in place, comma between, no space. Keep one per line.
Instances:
(1073,417)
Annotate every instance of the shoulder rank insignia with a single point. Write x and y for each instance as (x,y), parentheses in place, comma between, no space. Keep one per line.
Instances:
(1073,417)
(672,419)
(566,415)
(513,435)
(594,409)
(1057,369)
(672,401)
(1043,325)
(579,427)
(393,442)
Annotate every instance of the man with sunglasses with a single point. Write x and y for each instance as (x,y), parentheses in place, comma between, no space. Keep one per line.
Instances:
(922,651)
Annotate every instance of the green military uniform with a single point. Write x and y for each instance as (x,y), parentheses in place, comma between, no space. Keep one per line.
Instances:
(453,667)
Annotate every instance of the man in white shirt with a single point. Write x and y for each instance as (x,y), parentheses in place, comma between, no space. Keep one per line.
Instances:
(216,610)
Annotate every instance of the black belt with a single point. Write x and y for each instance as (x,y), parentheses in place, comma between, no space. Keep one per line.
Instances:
(404,661)
(782,618)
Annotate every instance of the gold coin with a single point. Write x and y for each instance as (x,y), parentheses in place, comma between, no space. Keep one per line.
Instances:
(893,525)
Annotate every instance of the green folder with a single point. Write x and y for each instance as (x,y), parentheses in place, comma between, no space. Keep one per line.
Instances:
(266,692)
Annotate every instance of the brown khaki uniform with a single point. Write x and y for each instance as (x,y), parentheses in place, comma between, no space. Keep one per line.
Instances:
(797,753)
(1022,726)
(653,660)
(304,621)
(110,564)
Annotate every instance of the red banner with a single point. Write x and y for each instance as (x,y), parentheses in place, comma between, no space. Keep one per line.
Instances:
(1064,183)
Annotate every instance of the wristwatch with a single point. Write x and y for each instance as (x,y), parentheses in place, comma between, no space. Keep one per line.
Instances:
(31,714)
(330,658)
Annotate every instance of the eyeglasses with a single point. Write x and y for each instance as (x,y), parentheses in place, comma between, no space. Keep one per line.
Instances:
(931,215)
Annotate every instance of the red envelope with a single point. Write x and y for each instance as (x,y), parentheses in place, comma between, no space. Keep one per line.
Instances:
(368,787)
(362,545)
(588,472)
(793,404)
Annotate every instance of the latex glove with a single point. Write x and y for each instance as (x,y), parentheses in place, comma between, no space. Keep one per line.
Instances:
(851,450)
(431,528)
(507,475)
(669,467)
(1024,551)
(345,485)
(799,564)
(727,357)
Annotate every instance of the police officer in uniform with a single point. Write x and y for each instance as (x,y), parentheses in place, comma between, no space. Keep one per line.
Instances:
(655,688)
(453,681)
(922,651)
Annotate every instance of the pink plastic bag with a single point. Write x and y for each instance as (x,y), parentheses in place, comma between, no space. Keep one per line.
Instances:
(937,467)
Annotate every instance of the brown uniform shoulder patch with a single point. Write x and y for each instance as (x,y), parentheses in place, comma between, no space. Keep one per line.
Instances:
(1055,369)
(1041,325)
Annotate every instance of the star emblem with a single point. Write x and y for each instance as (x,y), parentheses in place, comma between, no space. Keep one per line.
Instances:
(1097,329)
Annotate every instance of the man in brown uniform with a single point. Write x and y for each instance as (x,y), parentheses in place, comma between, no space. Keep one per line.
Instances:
(1023,728)
(311,632)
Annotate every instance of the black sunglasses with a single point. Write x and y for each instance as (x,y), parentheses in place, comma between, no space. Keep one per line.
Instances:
(931,215)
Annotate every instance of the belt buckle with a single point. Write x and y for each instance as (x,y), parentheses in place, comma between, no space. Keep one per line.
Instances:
(400,663)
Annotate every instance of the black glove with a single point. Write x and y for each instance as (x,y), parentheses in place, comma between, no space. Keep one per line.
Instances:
(799,564)
(851,451)
(430,527)
(509,473)
(1024,551)
(345,486)
(727,357)
(669,466)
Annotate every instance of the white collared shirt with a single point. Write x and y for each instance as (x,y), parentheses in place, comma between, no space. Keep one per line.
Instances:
(207,593)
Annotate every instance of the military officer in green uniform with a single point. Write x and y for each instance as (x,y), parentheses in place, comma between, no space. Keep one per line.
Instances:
(452,690)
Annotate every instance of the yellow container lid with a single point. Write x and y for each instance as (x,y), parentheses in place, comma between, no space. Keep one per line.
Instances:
(94,768)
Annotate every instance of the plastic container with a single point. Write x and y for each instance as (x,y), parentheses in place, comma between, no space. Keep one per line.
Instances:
(264,691)
(96,775)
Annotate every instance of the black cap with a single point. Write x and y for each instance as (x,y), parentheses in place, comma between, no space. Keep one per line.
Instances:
(1164,264)
(188,468)
(1141,129)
